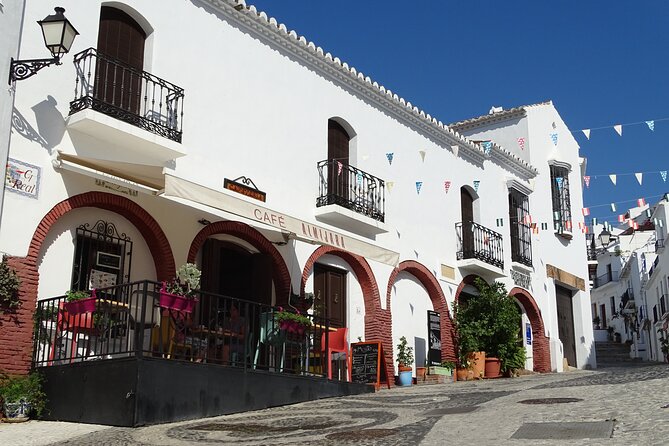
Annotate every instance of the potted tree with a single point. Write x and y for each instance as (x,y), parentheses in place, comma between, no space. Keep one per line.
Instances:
(404,361)
(179,293)
(467,341)
(22,396)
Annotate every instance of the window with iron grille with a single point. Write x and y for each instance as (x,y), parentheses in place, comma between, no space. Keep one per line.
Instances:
(561,201)
(663,306)
(519,226)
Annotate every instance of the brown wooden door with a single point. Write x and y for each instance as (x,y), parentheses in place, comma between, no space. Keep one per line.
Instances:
(565,315)
(120,37)
(330,294)
(467,212)
(338,152)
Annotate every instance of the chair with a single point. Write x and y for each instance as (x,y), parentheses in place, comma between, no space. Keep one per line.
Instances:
(269,331)
(336,344)
(75,323)
(177,334)
(152,316)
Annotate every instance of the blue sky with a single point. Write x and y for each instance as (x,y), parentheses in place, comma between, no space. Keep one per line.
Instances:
(601,62)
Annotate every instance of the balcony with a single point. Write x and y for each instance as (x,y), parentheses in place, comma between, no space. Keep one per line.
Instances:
(521,245)
(136,115)
(611,276)
(350,198)
(479,246)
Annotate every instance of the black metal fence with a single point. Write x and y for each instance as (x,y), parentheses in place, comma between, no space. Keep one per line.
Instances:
(351,188)
(139,98)
(478,242)
(133,320)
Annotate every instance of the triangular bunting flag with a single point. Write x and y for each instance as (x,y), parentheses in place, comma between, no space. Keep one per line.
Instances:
(651,125)
(586,132)
(554,138)
(662,223)
(500,222)
(390,157)
(544,226)
(419,184)
(613,178)
(594,221)
(477,183)
(521,143)
(358,178)
(389,185)
(663,174)
(586,212)
(586,180)
(648,213)
(422,154)
(487,147)
(455,150)
(639,177)
(559,181)
(340,166)
(636,226)
(619,129)
(641,202)
(621,218)
(613,207)
(527,220)
(447,185)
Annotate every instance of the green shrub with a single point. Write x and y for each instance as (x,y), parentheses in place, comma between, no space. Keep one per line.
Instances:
(9,286)
(29,387)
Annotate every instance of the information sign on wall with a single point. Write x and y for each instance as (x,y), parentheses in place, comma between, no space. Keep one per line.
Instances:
(23,178)
(528,333)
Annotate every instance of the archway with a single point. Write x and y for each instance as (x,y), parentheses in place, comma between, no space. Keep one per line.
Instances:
(427,279)
(280,273)
(16,327)
(540,345)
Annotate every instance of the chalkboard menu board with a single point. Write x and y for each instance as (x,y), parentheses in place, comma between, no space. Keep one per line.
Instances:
(368,363)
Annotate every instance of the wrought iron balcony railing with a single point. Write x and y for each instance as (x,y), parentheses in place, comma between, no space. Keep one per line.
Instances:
(605,278)
(521,244)
(351,188)
(478,242)
(592,253)
(139,98)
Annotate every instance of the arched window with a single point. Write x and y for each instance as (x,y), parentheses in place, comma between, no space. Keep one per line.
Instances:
(338,154)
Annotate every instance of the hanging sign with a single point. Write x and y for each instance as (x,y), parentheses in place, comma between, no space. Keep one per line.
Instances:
(243,189)
(434,338)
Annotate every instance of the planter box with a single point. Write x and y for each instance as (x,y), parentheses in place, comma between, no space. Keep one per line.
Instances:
(436,370)
(176,302)
(80,306)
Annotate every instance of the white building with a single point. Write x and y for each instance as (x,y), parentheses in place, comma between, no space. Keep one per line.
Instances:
(366,194)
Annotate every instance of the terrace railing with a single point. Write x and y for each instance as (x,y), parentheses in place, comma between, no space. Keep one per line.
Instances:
(116,89)
(475,241)
(129,321)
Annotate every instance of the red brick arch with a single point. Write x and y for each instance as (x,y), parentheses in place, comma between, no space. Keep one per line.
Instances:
(540,345)
(436,294)
(467,280)
(280,273)
(16,327)
(377,320)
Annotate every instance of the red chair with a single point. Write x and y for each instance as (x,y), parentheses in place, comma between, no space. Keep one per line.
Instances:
(336,344)
(76,323)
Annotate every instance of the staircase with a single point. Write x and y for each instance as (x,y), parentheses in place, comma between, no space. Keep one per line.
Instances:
(613,354)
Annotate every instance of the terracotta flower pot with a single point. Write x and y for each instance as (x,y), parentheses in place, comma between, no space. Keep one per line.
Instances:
(492,367)
(464,374)
(477,364)
(420,373)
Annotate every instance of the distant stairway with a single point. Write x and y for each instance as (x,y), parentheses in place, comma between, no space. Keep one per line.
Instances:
(613,354)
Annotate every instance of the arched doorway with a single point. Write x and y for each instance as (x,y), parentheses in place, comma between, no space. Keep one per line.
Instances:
(540,345)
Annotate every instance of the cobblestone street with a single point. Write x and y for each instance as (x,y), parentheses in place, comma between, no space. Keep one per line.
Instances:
(627,400)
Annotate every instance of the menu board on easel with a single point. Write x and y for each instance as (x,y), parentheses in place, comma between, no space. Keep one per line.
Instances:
(368,364)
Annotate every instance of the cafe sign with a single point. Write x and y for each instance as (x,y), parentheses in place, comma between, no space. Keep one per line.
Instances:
(245,186)
(23,178)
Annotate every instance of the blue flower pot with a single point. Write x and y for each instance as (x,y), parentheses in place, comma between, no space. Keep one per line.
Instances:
(405,378)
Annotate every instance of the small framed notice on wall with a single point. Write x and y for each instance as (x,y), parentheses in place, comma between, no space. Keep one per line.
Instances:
(108,260)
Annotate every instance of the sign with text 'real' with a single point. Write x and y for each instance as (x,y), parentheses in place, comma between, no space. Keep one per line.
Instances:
(23,178)
(434,338)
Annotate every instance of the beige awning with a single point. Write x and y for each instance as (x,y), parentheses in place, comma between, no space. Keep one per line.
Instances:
(298,229)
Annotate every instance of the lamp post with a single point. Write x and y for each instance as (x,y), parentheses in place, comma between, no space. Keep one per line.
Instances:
(58,35)
(605,238)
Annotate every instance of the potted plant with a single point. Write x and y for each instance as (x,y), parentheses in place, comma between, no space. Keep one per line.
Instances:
(445,368)
(9,286)
(595,322)
(80,301)
(292,322)
(404,361)
(516,361)
(179,293)
(22,396)
(466,329)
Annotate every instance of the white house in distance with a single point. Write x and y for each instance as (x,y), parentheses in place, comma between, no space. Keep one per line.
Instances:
(278,168)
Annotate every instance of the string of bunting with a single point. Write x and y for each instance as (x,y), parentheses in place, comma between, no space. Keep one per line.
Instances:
(619,127)
(614,177)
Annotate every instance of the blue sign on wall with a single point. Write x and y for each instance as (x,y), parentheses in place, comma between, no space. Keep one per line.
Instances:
(528,333)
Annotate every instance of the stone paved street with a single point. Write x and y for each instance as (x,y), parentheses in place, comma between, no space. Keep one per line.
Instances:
(484,412)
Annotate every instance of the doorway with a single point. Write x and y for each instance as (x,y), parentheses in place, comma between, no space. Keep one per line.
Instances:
(330,294)
(565,315)
(467,213)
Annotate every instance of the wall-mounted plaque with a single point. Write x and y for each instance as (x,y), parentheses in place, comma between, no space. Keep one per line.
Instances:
(23,178)
(108,260)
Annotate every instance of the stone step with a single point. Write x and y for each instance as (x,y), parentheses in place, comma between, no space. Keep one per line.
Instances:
(433,379)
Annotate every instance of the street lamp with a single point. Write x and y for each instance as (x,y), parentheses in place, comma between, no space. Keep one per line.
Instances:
(605,238)
(58,35)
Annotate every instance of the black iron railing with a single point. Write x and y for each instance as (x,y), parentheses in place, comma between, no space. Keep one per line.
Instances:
(592,253)
(478,242)
(605,278)
(139,98)
(351,188)
(129,320)
(521,244)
